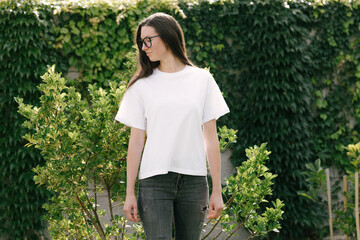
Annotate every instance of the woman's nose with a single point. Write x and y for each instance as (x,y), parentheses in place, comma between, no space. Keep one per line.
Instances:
(144,47)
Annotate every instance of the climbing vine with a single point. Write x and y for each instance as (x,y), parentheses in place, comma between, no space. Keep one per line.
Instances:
(289,71)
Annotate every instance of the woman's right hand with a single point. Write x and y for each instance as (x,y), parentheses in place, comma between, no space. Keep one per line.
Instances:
(130,208)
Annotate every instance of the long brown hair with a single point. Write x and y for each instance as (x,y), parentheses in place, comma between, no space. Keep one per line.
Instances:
(172,35)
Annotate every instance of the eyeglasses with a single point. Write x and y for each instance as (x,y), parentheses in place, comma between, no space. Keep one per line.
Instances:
(146,41)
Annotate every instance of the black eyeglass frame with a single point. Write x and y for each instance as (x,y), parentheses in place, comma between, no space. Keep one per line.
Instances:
(142,41)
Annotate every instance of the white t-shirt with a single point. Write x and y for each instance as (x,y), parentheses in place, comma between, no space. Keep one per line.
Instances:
(171,108)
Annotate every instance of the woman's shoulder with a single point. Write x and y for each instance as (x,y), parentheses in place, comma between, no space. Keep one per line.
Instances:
(202,71)
(135,88)
(139,82)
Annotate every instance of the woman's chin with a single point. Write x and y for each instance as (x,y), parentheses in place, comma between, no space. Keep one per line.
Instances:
(153,60)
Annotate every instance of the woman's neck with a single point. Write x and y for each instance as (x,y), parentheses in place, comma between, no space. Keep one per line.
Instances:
(171,64)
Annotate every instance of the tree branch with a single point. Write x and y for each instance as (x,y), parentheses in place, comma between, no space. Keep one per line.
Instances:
(96,221)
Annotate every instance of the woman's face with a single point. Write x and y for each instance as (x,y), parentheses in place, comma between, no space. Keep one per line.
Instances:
(158,50)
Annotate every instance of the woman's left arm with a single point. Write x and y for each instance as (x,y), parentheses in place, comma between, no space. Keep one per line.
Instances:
(216,204)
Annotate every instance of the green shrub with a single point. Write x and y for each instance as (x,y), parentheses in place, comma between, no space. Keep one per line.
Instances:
(246,191)
(85,151)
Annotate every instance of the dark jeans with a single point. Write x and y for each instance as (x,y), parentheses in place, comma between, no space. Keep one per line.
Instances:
(163,199)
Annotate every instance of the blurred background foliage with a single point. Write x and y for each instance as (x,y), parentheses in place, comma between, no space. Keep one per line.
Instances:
(289,71)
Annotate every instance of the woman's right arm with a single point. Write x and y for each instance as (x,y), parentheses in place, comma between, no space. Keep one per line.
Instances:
(136,144)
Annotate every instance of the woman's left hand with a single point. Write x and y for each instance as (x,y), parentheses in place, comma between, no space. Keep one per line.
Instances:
(216,205)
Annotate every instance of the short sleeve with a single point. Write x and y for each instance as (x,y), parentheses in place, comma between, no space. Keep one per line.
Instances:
(131,111)
(215,105)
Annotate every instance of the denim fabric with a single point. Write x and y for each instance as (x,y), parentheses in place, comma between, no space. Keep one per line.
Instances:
(173,198)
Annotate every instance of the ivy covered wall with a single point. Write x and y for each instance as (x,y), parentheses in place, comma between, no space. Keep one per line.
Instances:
(24,54)
(289,71)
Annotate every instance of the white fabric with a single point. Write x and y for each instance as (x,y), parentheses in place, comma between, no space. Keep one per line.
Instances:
(171,108)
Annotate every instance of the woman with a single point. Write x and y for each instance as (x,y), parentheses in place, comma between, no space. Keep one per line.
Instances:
(176,106)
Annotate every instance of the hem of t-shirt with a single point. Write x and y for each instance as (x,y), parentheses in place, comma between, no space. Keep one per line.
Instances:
(217,115)
(166,171)
(129,124)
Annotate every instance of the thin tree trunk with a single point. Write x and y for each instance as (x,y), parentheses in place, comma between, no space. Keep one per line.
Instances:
(357,204)
(86,223)
(95,194)
(123,230)
(345,199)
(217,235)
(213,228)
(108,189)
(95,221)
(233,232)
(329,203)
